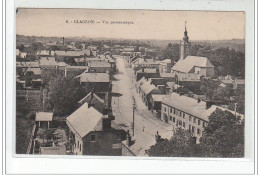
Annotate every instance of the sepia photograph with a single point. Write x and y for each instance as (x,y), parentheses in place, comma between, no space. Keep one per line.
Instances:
(145,83)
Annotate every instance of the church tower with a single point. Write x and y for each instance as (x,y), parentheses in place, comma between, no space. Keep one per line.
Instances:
(185,45)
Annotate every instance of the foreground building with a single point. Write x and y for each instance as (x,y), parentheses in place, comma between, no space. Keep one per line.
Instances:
(93,133)
(188,113)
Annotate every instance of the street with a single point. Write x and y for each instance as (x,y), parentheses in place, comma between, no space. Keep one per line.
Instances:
(145,125)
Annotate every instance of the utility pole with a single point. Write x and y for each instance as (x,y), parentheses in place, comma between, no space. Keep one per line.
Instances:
(133,124)
(235,109)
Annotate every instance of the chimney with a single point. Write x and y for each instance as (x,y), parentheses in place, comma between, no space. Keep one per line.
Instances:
(208,104)
(128,139)
(106,123)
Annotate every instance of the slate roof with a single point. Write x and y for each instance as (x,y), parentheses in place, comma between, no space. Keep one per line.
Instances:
(97,102)
(147,87)
(191,61)
(84,120)
(44,116)
(191,106)
(94,77)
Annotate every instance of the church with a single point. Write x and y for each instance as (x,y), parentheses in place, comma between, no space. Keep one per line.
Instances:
(191,67)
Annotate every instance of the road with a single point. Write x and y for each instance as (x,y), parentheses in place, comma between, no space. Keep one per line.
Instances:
(146,125)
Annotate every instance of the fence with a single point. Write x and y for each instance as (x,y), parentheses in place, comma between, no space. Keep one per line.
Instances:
(29,148)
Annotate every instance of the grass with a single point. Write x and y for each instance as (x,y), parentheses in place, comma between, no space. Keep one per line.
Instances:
(23,133)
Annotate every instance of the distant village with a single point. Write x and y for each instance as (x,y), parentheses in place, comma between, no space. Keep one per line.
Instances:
(130,99)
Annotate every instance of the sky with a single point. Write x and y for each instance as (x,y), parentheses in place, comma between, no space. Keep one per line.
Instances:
(147,24)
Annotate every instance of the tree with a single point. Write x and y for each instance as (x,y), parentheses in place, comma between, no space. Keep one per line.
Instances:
(223,136)
(171,52)
(182,144)
(65,92)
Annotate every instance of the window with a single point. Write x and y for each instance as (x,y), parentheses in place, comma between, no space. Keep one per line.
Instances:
(194,120)
(183,124)
(183,115)
(164,109)
(170,110)
(203,124)
(173,119)
(174,111)
(80,147)
(177,123)
(198,131)
(180,122)
(78,144)
(92,138)
(190,118)
(180,113)
(198,122)
(193,128)
(190,128)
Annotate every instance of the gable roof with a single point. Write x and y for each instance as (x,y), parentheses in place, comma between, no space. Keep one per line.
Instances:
(36,71)
(84,120)
(27,64)
(97,102)
(192,61)
(147,87)
(94,77)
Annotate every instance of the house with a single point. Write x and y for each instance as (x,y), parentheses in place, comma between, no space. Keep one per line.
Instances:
(146,90)
(92,98)
(156,102)
(188,113)
(33,77)
(145,63)
(75,70)
(93,133)
(165,66)
(99,66)
(168,77)
(147,73)
(194,65)
(44,119)
(99,82)
(21,67)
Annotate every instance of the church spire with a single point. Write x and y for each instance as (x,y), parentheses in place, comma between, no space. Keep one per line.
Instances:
(185,32)
(185,38)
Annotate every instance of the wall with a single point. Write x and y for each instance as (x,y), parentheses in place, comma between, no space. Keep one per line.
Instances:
(103,143)
(187,119)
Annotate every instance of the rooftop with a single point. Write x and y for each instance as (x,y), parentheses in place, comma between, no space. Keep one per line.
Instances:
(96,101)
(192,61)
(94,77)
(84,120)
(98,63)
(36,71)
(43,116)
